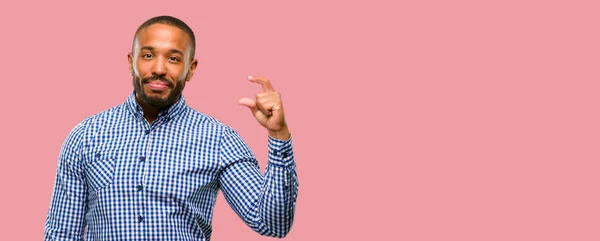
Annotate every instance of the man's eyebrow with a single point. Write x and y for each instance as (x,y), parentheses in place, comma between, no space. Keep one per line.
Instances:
(147,48)
(176,51)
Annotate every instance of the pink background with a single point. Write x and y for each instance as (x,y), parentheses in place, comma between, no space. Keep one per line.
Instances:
(412,120)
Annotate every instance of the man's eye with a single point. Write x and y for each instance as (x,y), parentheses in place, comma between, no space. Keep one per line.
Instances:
(147,56)
(174,59)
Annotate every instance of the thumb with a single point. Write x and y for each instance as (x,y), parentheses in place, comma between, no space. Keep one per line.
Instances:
(250,103)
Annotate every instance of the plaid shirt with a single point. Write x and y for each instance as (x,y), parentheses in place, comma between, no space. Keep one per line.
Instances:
(125,179)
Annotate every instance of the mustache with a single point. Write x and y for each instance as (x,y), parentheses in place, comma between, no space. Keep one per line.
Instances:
(157,77)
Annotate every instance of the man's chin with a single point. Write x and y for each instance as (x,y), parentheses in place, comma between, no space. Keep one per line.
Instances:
(157,94)
(155,101)
(154,95)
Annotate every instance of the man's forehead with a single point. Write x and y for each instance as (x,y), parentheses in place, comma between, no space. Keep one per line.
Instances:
(161,35)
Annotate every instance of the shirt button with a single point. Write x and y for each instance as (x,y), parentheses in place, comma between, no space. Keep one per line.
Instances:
(98,155)
(147,132)
(140,187)
(140,218)
(284,154)
(142,158)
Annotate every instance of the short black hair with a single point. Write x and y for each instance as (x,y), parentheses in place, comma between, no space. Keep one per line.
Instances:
(171,21)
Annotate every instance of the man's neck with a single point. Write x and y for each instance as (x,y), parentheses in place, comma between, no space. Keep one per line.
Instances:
(150,113)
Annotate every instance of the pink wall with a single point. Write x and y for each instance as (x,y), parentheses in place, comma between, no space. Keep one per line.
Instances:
(436,120)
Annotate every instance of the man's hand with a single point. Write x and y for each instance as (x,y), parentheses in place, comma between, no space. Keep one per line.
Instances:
(268,109)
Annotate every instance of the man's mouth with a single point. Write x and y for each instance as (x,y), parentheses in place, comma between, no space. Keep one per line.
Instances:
(157,85)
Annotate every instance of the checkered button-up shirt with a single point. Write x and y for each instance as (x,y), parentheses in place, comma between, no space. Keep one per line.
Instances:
(120,178)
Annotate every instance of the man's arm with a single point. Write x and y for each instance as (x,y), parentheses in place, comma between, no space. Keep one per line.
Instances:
(266,204)
(66,215)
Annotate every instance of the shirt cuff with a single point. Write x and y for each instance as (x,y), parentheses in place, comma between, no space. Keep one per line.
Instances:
(281,152)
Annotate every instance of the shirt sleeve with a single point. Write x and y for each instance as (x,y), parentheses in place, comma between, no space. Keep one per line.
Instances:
(66,215)
(265,202)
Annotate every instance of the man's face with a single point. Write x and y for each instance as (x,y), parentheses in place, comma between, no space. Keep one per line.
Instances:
(161,65)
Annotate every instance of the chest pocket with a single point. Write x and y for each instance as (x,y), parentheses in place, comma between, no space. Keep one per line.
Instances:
(100,170)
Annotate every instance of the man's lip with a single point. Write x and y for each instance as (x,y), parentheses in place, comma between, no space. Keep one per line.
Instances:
(157,85)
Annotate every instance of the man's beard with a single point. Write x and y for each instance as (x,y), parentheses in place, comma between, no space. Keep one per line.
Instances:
(157,102)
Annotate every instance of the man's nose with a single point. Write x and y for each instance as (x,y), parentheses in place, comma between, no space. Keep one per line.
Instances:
(159,67)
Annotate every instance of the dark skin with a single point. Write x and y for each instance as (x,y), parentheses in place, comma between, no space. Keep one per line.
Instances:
(162,67)
(162,53)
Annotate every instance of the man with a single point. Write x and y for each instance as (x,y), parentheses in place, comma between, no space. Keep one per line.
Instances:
(150,168)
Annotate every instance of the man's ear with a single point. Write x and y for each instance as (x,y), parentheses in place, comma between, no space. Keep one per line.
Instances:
(130,60)
(193,66)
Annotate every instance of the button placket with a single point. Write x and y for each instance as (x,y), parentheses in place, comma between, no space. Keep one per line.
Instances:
(141,175)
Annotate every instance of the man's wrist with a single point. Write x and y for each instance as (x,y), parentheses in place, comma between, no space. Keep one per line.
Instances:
(283,134)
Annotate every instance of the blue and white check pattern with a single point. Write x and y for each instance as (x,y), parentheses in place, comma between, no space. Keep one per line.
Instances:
(120,178)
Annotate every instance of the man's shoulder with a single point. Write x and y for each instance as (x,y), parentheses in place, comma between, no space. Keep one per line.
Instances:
(112,113)
(205,120)
(102,117)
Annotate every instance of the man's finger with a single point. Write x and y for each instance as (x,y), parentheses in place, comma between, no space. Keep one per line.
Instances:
(266,84)
(265,108)
(250,103)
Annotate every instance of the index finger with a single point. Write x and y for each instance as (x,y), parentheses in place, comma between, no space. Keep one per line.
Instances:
(266,84)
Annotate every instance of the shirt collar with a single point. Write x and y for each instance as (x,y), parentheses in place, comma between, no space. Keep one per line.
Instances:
(168,113)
